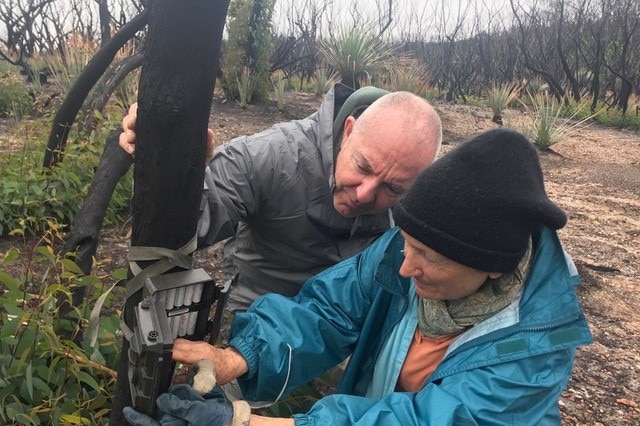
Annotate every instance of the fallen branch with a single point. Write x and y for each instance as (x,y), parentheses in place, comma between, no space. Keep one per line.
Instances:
(89,363)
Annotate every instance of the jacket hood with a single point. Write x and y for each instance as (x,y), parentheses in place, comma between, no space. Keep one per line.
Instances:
(329,108)
(339,103)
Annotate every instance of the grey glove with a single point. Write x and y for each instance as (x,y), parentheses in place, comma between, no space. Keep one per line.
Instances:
(182,406)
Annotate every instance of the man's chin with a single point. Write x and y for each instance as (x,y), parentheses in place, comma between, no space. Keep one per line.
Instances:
(346,211)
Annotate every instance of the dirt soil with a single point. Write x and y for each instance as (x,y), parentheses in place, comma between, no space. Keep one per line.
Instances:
(594,175)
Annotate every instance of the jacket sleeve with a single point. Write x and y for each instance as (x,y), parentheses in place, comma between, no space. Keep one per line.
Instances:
(289,341)
(237,181)
(519,392)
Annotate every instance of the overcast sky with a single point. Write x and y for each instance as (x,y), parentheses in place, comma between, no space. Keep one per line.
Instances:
(421,16)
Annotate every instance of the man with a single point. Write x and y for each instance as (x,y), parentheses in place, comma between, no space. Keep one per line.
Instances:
(306,194)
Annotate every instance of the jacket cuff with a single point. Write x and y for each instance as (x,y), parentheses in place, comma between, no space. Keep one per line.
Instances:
(248,353)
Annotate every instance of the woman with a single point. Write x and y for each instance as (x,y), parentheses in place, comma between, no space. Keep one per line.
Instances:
(465,314)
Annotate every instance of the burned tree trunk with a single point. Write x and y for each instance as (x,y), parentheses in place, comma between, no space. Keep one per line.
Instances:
(175,94)
(72,103)
(87,224)
(104,88)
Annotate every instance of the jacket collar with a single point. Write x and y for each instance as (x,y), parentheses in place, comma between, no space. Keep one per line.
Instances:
(386,274)
(549,286)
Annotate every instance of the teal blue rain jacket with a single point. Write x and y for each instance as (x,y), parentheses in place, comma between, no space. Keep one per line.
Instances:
(511,375)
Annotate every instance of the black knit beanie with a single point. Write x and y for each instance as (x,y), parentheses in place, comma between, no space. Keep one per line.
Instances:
(477,204)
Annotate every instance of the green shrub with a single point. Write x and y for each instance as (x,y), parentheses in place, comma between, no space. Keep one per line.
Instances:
(249,46)
(15,100)
(473,101)
(30,193)
(578,110)
(45,378)
(301,84)
(7,67)
(279,89)
(613,117)
(245,87)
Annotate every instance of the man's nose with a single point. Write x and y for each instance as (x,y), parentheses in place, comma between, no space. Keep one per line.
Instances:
(366,191)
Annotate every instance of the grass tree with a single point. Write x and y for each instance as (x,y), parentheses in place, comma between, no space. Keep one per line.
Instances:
(356,55)
(66,66)
(324,78)
(408,74)
(551,121)
(499,97)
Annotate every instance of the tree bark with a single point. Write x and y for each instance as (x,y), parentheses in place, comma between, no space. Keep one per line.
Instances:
(105,21)
(105,87)
(175,94)
(87,224)
(575,88)
(73,101)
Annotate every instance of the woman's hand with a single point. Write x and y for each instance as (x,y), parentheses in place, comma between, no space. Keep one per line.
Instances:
(228,363)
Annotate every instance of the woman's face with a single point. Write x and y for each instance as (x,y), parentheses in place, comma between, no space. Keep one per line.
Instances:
(438,277)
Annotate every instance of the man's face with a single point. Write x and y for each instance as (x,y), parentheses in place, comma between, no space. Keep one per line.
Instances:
(374,168)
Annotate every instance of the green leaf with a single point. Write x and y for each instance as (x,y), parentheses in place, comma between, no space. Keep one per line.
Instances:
(89,280)
(29,380)
(24,419)
(47,252)
(71,266)
(41,385)
(94,323)
(120,273)
(97,357)
(10,256)
(73,419)
(88,380)
(14,409)
(11,283)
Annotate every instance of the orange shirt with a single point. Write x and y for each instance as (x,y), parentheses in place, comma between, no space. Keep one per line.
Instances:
(423,357)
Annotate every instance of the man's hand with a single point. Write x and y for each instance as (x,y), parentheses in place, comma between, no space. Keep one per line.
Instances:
(181,405)
(127,139)
(228,363)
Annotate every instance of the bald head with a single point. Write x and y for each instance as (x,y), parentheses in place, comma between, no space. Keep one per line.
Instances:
(417,121)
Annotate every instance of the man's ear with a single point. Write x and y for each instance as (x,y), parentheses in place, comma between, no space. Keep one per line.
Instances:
(348,128)
(494,275)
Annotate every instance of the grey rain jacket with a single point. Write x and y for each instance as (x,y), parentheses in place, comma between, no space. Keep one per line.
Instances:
(273,191)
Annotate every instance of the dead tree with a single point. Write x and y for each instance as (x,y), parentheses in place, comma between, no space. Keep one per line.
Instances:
(72,103)
(105,87)
(85,232)
(575,87)
(536,67)
(105,21)
(175,94)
